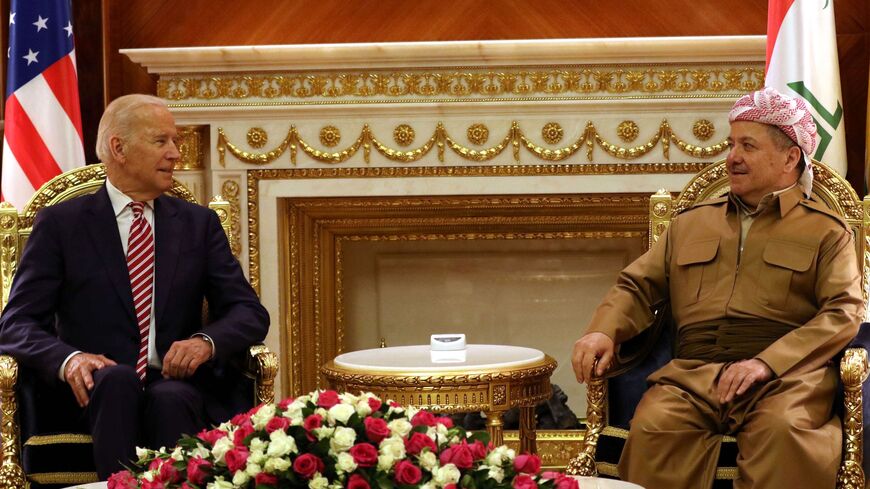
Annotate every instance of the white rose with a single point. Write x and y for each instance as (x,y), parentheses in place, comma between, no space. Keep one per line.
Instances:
(318,482)
(252,469)
(496,474)
(348,398)
(395,409)
(342,439)
(257,443)
(221,447)
(446,474)
(345,463)
(385,462)
(322,433)
(240,478)
(499,455)
(148,476)
(362,407)
(220,483)
(276,464)
(322,412)
(400,427)
(393,446)
(262,416)
(176,454)
(428,460)
(294,412)
(281,444)
(257,457)
(200,451)
(340,413)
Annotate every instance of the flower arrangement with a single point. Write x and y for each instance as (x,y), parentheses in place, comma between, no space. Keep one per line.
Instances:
(327,440)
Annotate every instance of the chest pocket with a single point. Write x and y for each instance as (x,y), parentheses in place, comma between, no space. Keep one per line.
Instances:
(784,261)
(697,264)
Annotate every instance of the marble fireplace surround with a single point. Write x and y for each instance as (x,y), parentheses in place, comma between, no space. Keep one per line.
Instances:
(270,127)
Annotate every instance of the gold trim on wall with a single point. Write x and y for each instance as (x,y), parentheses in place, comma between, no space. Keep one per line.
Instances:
(441,139)
(467,83)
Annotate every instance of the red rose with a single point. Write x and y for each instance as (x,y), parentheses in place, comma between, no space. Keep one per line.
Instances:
(417,442)
(527,463)
(236,459)
(327,399)
(311,422)
(211,437)
(240,419)
(241,433)
(265,479)
(375,403)
(450,486)
(254,409)
(307,465)
(364,454)
(447,422)
(523,481)
(122,480)
(184,485)
(198,470)
(155,484)
(566,482)
(357,481)
(407,473)
(285,402)
(376,429)
(458,455)
(424,418)
(168,473)
(277,423)
(478,449)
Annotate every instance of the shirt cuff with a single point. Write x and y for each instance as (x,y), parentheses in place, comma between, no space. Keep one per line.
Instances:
(208,339)
(62,371)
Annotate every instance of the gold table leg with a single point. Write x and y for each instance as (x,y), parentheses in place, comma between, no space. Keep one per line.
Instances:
(528,437)
(494,426)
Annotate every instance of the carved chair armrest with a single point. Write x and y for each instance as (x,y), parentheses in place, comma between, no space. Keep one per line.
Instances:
(11,473)
(262,366)
(854,370)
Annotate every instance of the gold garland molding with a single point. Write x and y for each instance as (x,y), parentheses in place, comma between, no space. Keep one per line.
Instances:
(467,84)
(515,138)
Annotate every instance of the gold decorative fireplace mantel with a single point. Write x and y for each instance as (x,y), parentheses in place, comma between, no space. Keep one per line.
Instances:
(387,191)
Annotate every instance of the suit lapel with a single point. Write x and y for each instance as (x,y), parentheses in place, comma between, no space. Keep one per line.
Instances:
(103,229)
(167,241)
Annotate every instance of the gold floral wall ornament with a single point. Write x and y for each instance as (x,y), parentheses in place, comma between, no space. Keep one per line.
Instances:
(627,131)
(703,129)
(191,144)
(403,135)
(478,134)
(257,137)
(552,132)
(330,136)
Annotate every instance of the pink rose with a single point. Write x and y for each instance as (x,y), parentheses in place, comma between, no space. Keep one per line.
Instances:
(307,465)
(287,401)
(357,481)
(566,482)
(168,473)
(527,463)
(458,455)
(450,486)
(277,423)
(478,450)
(375,404)
(417,442)
(364,454)
(254,409)
(240,419)
(446,421)
(407,473)
(122,480)
(236,459)
(211,437)
(550,474)
(241,433)
(523,481)
(376,429)
(184,485)
(327,399)
(155,484)
(197,470)
(423,418)
(265,479)
(312,422)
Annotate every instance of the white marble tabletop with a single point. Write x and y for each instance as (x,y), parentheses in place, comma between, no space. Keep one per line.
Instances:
(419,358)
(585,483)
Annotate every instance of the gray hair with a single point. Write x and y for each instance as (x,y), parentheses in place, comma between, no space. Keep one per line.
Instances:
(118,118)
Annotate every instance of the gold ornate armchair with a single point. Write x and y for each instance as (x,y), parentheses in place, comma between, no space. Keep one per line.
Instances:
(611,401)
(260,365)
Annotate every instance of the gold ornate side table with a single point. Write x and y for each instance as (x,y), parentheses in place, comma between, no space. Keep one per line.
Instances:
(488,378)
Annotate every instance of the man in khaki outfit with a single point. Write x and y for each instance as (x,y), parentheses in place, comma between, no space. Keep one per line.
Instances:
(764,289)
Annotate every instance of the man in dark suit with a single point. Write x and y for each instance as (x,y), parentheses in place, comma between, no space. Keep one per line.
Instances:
(108,296)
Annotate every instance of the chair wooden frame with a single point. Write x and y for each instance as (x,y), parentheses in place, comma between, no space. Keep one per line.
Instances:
(854,369)
(15,228)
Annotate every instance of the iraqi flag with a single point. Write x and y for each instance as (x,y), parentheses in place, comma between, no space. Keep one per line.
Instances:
(802,61)
(43,124)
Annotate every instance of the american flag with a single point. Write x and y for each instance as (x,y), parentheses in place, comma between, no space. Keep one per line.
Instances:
(43,126)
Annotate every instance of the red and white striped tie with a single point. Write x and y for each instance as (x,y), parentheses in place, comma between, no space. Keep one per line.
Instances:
(140,263)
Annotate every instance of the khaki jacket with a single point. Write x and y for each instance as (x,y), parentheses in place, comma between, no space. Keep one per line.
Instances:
(798,267)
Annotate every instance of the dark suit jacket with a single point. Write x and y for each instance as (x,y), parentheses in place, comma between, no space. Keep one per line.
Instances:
(72,289)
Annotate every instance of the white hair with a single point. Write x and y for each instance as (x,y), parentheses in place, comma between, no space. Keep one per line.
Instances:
(118,118)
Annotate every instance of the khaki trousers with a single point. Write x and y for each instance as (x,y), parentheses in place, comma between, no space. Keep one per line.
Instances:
(786,434)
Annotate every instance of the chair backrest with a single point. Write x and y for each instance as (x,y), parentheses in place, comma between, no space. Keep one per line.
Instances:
(828,187)
(15,226)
